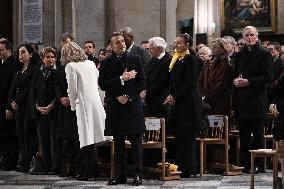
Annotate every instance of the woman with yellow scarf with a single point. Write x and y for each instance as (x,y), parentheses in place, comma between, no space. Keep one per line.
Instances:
(186,103)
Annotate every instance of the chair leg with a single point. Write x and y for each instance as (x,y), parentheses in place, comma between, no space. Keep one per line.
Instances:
(112,160)
(201,158)
(252,171)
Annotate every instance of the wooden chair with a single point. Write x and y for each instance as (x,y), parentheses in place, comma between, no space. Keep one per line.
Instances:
(264,153)
(216,134)
(154,137)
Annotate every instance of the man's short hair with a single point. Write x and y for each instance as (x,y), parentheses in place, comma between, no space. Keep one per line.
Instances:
(115,34)
(276,45)
(94,46)
(144,42)
(230,39)
(158,42)
(127,30)
(8,44)
(250,27)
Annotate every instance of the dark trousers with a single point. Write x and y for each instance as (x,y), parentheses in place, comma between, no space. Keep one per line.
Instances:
(137,154)
(186,157)
(27,140)
(246,127)
(49,144)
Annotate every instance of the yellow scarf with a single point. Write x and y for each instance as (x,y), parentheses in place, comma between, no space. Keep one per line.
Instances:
(177,56)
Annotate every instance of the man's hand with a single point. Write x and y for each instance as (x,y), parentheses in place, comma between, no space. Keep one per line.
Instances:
(122,99)
(241,82)
(9,114)
(273,109)
(143,94)
(65,101)
(42,110)
(169,100)
(128,75)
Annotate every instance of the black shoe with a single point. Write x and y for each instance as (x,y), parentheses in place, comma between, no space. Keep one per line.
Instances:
(116,181)
(260,169)
(80,178)
(137,181)
(256,171)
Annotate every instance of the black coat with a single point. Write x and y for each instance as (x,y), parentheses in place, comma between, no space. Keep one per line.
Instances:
(7,69)
(157,85)
(142,53)
(20,89)
(124,119)
(187,99)
(43,93)
(67,120)
(256,66)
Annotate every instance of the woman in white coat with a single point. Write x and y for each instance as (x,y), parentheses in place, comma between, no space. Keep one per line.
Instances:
(83,93)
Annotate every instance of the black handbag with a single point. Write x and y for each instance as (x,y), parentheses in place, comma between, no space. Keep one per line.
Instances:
(36,165)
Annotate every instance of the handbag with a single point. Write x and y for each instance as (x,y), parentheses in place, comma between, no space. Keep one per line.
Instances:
(36,165)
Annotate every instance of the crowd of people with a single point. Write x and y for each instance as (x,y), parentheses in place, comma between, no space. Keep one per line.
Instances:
(59,104)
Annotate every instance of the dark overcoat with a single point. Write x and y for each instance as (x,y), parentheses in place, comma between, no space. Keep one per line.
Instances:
(256,66)
(157,85)
(67,120)
(142,53)
(187,99)
(215,83)
(7,69)
(43,93)
(122,119)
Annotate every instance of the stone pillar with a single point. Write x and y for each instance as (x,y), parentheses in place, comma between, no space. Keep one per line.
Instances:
(17,24)
(279,14)
(168,21)
(49,23)
(89,21)
(58,20)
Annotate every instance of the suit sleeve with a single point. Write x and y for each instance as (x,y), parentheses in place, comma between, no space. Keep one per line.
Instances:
(71,77)
(266,75)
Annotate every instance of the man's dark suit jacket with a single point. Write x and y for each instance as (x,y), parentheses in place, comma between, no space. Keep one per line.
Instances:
(143,53)
(122,119)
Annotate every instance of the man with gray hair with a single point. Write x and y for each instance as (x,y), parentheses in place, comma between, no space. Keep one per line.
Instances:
(157,78)
(252,73)
(132,48)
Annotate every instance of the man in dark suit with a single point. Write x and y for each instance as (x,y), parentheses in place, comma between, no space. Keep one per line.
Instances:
(90,50)
(253,73)
(157,78)
(122,77)
(132,48)
(8,140)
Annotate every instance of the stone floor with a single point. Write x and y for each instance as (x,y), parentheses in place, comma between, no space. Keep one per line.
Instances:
(14,180)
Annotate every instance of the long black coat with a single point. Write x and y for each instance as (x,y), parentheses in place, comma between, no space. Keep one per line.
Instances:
(7,69)
(67,120)
(187,99)
(122,119)
(142,53)
(43,93)
(157,85)
(256,66)
(20,89)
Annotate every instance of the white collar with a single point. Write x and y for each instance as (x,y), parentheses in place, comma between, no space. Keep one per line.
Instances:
(129,49)
(161,55)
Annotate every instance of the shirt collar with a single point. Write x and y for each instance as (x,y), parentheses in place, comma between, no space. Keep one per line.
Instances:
(161,55)
(129,49)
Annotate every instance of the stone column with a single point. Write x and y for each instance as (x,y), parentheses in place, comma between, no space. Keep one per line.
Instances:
(17,24)
(58,22)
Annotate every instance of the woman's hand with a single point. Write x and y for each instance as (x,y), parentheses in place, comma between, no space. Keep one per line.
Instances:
(169,100)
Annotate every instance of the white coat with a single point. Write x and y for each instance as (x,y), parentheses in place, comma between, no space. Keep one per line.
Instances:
(83,93)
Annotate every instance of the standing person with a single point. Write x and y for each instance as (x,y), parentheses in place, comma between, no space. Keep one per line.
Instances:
(18,98)
(134,49)
(122,77)
(157,78)
(44,110)
(252,73)
(187,104)
(8,139)
(82,76)
(90,50)
(215,80)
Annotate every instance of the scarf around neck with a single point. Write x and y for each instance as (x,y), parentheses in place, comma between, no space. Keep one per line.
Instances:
(177,56)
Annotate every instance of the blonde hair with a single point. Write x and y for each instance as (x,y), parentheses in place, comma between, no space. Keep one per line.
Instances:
(71,52)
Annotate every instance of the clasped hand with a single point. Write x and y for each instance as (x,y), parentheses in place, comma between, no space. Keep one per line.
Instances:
(122,99)
(241,82)
(128,75)
(169,100)
(45,110)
